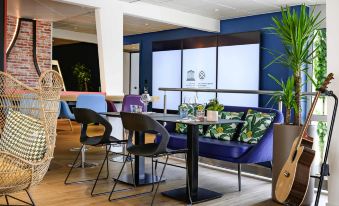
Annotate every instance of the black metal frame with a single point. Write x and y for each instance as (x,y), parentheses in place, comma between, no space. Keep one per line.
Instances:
(127,158)
(325,171)
(153,181)
(73,166)
(22,201)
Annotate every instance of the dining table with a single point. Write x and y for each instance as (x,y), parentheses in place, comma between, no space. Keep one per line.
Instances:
(197,194)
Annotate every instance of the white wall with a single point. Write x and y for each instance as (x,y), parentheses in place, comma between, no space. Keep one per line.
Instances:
(333,66)
(127,68)
(322,9)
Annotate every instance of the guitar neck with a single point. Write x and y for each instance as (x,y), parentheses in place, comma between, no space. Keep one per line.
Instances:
(308,119)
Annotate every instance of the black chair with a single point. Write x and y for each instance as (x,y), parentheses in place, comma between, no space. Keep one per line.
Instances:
(85,117)
(136,124)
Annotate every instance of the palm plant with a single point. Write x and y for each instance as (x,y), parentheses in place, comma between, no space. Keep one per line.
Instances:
(286,96)
(297,32)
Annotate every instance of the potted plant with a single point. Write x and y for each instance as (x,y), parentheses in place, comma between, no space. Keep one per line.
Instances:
(213,108)
(83,76)
(297,32)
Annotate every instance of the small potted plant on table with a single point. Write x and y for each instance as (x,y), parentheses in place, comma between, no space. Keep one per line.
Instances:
(213,108)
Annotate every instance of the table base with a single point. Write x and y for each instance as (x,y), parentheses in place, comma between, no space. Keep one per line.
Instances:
(202,196)
(147,180)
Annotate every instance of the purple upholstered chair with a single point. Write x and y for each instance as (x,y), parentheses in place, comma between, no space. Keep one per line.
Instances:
(131,100)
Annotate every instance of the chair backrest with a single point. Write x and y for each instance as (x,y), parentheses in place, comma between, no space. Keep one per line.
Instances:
(136,122)
(65,111)
(41,103)
(85,117)
(111,106)
(131,100)
(95,102)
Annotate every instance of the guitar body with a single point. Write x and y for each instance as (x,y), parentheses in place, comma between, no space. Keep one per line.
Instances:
(294,177)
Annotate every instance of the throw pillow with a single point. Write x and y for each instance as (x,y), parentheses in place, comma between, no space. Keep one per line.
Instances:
(224,131)
(255,126)
(23,136)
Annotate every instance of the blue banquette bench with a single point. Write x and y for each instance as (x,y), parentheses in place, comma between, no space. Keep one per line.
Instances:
(232,151)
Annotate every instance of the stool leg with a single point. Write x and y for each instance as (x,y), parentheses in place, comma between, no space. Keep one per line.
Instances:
(162,173)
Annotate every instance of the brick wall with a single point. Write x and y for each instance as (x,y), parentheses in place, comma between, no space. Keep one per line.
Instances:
(20,61)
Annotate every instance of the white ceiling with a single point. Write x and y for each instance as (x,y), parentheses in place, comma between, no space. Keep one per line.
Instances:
(81,19)
(132,25)
(43,9)
(76,18)
(226,9)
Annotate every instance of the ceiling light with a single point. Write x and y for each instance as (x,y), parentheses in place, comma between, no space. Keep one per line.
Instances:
(216,10)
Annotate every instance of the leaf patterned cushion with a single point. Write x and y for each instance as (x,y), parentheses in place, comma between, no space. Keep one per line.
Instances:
(182,128)
(224,131)
(255,126)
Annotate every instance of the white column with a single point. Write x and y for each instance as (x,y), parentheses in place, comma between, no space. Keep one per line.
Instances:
(333,66)
(109,24)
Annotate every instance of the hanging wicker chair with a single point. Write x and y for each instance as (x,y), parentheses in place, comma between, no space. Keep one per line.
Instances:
(42,104)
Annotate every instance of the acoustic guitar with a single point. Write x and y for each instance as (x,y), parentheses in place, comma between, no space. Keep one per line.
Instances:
(294,177)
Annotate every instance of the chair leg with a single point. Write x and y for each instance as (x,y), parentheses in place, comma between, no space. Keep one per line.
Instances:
(74,162)
(6,200)
(30,198)
(70,124)
(74,166)
(156,165)
(134,183)
(239,177)
(162,173)
(152,175)
(116,181)
(31,203)
(96,180)
(107,165)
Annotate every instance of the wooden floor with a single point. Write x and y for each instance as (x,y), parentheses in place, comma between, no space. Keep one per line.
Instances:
(52,190)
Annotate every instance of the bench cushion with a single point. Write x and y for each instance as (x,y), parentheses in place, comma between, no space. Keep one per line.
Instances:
(211,148)
(255,126)
(224,131)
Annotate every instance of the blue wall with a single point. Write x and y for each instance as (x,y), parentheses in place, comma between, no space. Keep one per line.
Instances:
(244,24)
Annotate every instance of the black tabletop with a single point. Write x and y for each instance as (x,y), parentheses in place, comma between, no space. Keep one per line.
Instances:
(176,118)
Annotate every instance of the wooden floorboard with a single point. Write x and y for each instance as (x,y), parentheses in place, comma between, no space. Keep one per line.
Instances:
(53,192)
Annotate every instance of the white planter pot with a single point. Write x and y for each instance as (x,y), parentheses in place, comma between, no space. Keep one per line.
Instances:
(212,116)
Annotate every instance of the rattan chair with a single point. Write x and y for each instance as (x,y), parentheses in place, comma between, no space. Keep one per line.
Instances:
(42,103)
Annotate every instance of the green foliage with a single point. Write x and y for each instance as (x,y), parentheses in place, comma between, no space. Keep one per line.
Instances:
(322,134)
(255,126)
(286,96)
(83,75)
(213,105)
(224,131)
(322,131)
(320,61)
(297,32)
